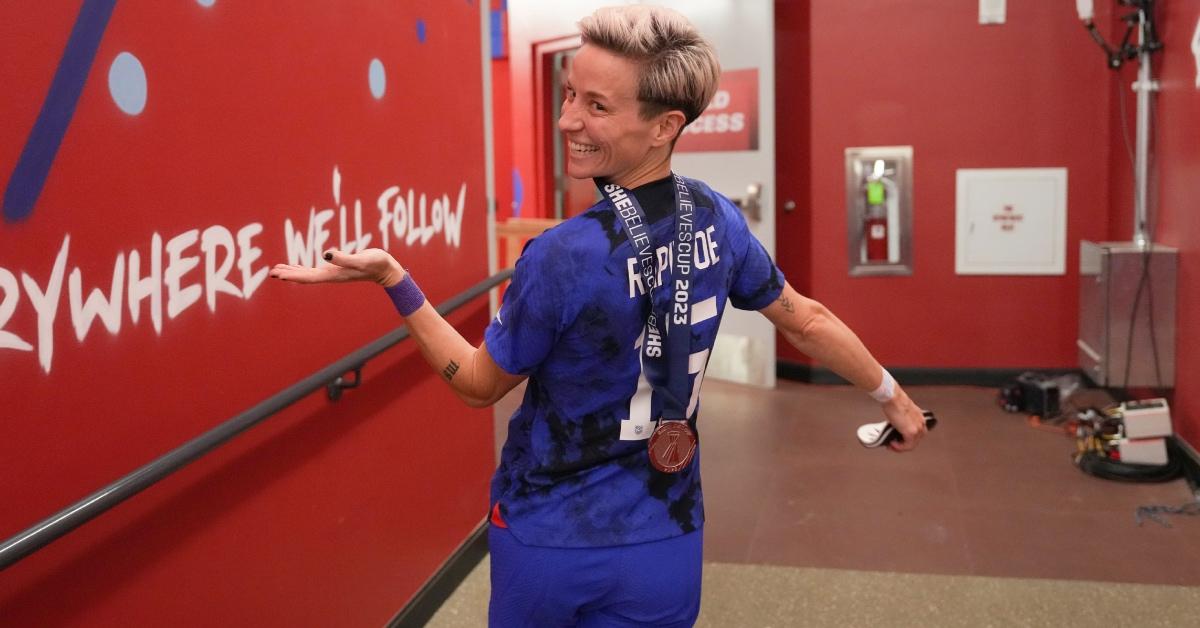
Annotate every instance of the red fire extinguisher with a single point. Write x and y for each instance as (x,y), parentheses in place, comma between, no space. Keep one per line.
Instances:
(875,227)
(877,244)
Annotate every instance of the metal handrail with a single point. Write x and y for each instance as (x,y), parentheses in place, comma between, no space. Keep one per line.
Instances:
(86,509)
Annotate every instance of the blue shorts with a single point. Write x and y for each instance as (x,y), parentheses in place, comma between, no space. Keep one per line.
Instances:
(647,584)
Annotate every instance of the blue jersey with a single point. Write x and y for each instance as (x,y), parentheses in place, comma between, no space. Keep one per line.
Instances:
(575,471)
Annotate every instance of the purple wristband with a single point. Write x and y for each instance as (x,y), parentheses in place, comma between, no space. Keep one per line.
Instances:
(406,296)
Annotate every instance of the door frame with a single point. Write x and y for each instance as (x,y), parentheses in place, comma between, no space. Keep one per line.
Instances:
(546,107)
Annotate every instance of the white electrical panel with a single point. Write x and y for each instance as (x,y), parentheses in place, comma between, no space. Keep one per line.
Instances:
(992,11)
(1011,221)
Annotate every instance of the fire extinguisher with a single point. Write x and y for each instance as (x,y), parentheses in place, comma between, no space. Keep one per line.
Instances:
(875,227)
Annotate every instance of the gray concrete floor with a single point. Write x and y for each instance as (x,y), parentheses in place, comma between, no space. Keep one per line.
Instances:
(767,596)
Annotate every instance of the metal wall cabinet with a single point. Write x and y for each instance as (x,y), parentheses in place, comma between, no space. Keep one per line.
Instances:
(1112,277)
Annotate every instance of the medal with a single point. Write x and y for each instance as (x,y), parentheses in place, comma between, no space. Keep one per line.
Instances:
(667,335)
(672,446)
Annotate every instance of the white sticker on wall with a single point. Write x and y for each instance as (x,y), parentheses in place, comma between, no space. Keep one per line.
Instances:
(992,11)
(1196,52)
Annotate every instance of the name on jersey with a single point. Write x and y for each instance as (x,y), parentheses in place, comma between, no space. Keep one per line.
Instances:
(704,255)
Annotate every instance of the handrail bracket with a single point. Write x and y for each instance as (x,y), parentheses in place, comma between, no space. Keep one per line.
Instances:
(334,389)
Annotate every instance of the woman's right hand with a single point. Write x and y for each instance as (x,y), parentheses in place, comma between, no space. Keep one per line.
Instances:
(375,265)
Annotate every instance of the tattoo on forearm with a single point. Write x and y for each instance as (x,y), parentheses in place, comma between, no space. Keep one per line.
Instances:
(787,305)
(450,370)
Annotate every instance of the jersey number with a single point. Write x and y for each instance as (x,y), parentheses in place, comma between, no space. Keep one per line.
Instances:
(640,424)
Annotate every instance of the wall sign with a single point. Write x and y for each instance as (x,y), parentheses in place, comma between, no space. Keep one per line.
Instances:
(731,120)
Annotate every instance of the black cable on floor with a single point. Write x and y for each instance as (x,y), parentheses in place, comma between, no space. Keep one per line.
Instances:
(1097,464)
(1155,513)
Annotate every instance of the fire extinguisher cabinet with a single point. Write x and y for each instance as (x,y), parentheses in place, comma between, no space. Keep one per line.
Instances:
(879,210)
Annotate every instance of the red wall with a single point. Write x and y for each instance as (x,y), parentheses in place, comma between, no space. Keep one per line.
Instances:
(502,122)
(506,205)
(793,151)
(329,514)
(1174,186)
(1029,93)
(1033,92)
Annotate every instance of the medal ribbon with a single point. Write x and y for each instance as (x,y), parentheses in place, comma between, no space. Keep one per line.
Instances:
(666,341)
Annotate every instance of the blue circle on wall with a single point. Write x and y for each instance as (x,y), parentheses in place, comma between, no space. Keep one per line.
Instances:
(127,83)
(206,3)
(377,78)
(421,31)
(518,192)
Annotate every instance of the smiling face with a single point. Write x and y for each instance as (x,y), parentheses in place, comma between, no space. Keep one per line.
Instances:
(602,122)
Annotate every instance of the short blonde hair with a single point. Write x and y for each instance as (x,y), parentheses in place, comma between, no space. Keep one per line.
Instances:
(679,68)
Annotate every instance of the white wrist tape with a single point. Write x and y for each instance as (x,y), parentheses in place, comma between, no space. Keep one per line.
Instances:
(886,390)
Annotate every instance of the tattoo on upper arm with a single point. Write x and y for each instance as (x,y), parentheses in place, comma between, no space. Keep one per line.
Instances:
(787,305)
(450,370)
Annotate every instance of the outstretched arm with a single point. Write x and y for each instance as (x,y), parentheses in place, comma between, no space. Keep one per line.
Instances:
(470,370)
(814,330)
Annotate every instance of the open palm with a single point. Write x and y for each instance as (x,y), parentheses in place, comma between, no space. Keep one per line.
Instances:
(374,265)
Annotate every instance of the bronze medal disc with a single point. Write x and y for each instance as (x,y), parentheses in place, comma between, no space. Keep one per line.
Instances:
(672,446)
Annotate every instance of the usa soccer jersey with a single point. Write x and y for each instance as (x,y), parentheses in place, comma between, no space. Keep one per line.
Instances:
(574,471)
